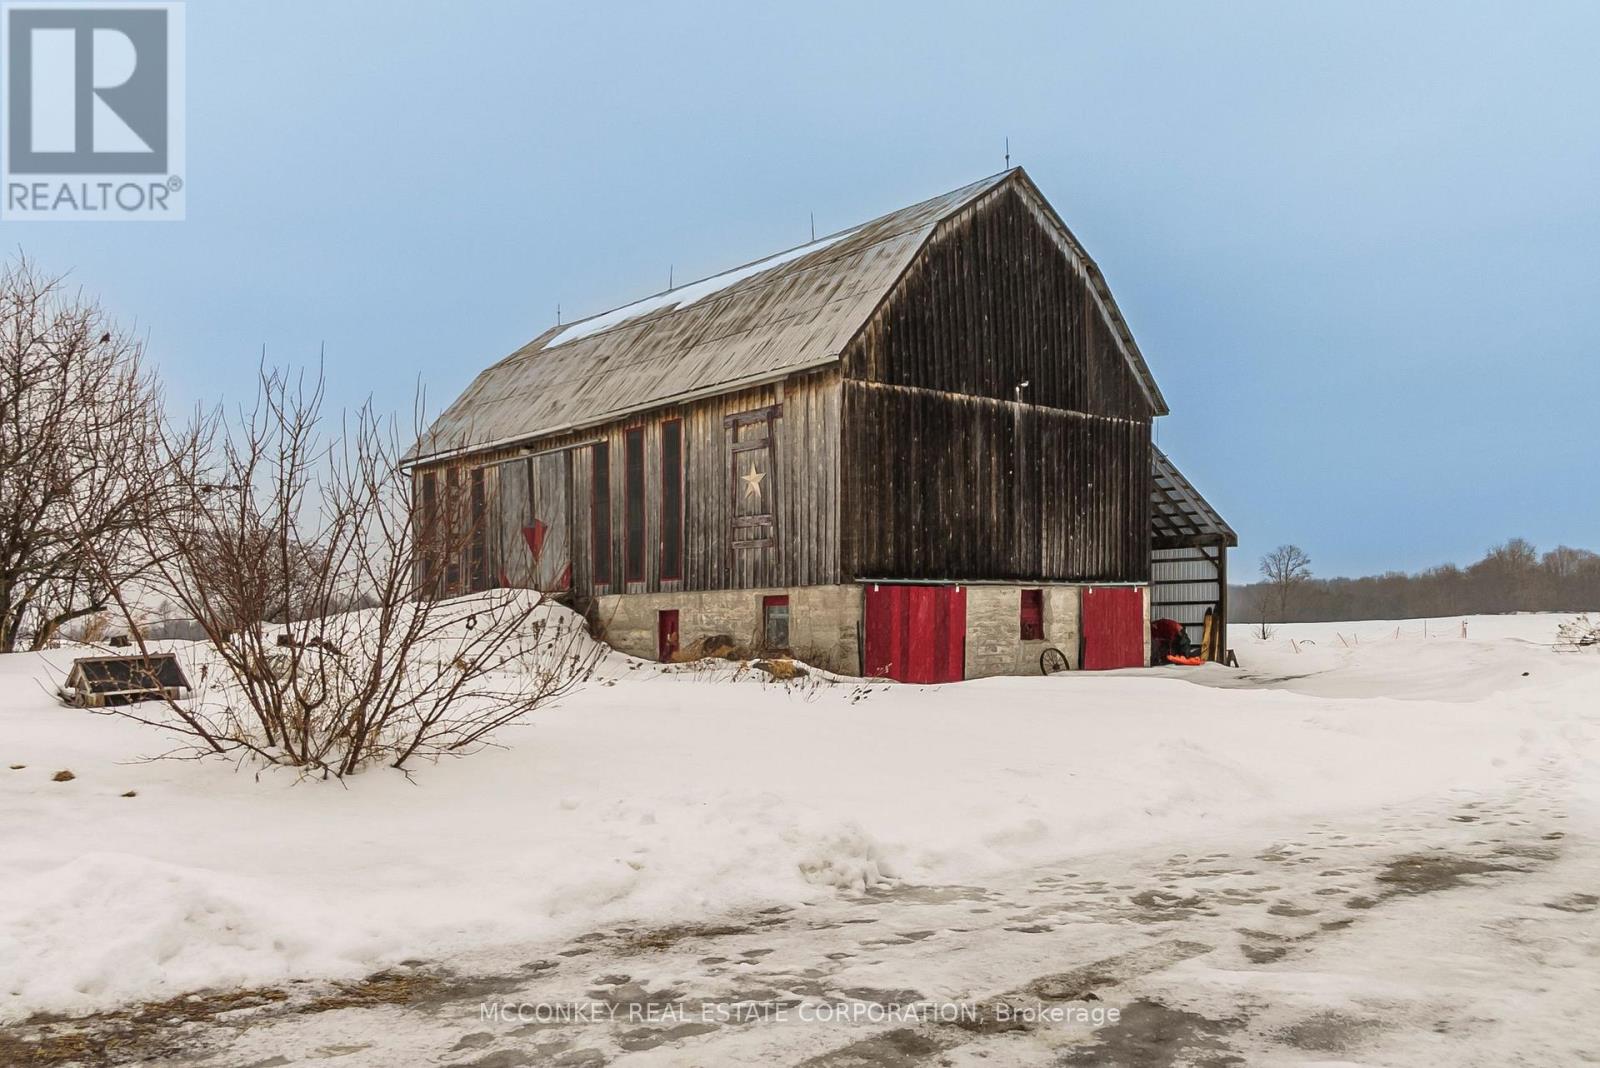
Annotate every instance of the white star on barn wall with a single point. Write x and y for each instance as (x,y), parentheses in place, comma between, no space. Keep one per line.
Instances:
(752,481)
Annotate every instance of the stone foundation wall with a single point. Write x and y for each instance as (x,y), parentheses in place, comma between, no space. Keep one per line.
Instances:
(823,624)
(822,621)
(994,630)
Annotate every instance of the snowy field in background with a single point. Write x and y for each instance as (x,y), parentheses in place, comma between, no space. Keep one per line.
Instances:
(665,795)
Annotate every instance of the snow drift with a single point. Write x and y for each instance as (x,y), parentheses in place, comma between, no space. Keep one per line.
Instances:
(660,794)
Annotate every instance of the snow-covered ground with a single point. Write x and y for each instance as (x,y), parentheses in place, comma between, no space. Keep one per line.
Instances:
(661,797)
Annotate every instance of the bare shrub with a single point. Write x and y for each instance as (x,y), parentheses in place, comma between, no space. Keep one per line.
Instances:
(816,656)
(712,647)
(92,629)
(307,565)
(1262,629)
(781,668)
(1579,632)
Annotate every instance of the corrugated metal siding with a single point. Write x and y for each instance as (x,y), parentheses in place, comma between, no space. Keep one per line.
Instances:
(1188,551)
(1183,584)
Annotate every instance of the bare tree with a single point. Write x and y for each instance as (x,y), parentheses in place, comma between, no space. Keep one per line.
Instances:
(1561,574)
(1262,598)
(1285,569)
(81,463)
(304,561)
(1508,575)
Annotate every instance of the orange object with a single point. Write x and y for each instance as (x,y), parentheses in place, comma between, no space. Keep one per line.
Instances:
(1186,661)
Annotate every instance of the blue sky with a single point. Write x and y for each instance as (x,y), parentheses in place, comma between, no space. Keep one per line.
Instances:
(1359,243)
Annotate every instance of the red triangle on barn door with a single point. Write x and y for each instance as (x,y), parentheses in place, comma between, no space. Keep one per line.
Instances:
(534,536)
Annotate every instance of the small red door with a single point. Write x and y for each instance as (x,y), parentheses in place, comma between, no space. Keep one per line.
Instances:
(666,634)
(916,633)
(1113,627)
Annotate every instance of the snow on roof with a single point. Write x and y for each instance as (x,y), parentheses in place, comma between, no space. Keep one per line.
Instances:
(685,295)
(784,313)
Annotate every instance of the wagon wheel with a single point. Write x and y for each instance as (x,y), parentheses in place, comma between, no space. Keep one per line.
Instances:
(1051,661)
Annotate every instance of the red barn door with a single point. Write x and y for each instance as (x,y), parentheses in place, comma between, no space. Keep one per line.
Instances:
(916,633)
(666,635)
(1113,627)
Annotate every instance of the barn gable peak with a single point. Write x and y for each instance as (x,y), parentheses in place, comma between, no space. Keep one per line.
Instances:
(796,310)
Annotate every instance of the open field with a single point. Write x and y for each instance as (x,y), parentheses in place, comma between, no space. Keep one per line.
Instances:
(1358,847)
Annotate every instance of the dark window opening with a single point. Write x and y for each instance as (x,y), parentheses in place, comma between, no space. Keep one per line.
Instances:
(478,545)
(672,499)
(1032,615)
(428,534)
(775,622)
(450,542)
(600,514)
(633,505)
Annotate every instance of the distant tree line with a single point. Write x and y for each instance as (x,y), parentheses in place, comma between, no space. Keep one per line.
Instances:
(1512,577)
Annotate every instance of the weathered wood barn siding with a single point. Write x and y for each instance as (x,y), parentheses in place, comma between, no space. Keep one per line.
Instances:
(946,475)
(803,547)
(950,391)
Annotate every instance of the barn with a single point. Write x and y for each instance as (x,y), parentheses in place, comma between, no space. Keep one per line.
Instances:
(918,448)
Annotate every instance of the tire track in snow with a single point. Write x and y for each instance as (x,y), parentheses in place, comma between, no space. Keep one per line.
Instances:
(1126,925)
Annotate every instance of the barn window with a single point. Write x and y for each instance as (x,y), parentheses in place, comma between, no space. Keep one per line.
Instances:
(1032,615)
(633,505)
(775,622)
(754,481)
(428,533)
(600,514)
(672,499)
(450,542)
(478,546)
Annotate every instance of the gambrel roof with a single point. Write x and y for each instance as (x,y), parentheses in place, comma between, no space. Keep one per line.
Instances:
(789,312)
